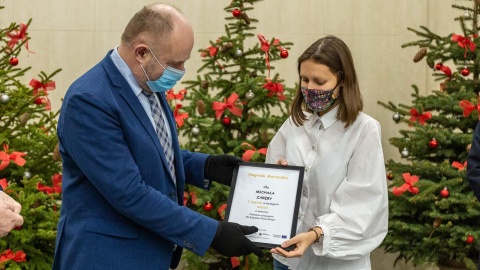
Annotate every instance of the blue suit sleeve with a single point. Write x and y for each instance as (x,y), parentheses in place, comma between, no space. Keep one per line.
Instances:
(473,163)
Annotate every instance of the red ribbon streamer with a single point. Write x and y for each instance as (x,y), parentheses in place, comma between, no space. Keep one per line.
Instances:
(18,35)
(171,94)
(459,165)
(447,71)
(3,183)
(185,198)
(422,118)
(193,195)
(16,157)
(179,117)
(219,107)
(265,47)
(276,42)
(464,42)
(57,187)
(251,150)
(235,262)
(8,254)
(410,182)
(275,89)
(221,211)
(468,107)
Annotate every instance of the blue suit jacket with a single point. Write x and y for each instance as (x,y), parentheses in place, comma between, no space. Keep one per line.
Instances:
(473,163)
(120,207)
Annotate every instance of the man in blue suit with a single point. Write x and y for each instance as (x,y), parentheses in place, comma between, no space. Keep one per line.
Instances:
(473,165)
(123,170)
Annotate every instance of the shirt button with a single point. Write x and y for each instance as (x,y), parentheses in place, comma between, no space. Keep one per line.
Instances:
(305,192)
(306,169)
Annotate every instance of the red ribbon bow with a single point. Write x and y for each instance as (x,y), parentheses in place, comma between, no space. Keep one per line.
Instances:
(57,187)
(275,89)
(422,118)
(250,150)
(276,43)
(219,107)
(179,117)
(18,35)
(39,86)
(171,94)
(265,47)
(468,107)
(16,157)
(193,195)
(8,254)
(3,183)
(464,42)
(212,52)
(185,198)
(410,182)
(459,165)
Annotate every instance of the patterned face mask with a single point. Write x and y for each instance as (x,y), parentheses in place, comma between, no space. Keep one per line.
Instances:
(319,100)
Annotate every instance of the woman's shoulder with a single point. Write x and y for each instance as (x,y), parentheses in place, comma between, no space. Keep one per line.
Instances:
(364,119)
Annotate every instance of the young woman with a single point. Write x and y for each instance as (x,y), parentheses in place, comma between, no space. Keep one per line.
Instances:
(344,209)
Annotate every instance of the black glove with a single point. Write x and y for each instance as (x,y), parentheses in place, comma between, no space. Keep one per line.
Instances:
(230,240)
(220,168)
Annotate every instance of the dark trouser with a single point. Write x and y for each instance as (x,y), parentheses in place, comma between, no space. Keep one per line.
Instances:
(280,266)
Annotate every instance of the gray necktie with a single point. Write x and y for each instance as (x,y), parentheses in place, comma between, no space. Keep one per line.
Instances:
(162,132)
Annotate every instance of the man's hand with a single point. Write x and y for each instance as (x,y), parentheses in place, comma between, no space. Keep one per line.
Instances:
(9,214)
(220,168)
(230,240)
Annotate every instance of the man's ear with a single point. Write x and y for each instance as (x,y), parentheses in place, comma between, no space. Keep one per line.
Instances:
(141,52)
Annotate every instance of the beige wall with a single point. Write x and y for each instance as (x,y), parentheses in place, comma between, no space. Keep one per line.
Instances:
(74,35)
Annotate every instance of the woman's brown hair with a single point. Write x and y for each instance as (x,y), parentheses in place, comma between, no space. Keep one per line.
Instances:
(333,53)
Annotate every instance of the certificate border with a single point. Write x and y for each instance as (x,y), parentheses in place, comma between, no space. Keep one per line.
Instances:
(301,171)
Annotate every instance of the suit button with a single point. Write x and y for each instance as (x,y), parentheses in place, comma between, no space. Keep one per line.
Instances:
(172,194)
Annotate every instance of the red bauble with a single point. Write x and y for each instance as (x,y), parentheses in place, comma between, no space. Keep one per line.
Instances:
(444,193)
(465,72)
(389,176)
(433,143)
(13,61)
(469,239)
(38,101)
(284,54)
(207,206)
(438,66)
(236,12)
(227,121)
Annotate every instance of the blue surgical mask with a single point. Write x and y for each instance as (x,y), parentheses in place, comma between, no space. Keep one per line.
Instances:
(168,79)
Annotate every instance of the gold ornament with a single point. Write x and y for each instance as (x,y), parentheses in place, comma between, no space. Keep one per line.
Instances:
(420,54)
(437,222)
(469,146)
(226,47)
(201,107)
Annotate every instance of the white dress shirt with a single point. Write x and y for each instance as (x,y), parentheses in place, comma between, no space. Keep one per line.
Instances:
(344,188)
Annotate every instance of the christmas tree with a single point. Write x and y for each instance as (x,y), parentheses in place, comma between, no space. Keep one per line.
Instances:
(233,107)
(433,213)
(29,159)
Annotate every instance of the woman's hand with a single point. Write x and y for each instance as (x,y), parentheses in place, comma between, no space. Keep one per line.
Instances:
(282,162)
(300,242)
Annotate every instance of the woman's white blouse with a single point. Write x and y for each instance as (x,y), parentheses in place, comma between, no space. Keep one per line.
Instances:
(344,188)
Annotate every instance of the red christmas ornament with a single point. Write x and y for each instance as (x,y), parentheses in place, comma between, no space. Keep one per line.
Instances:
(227,121)
(438,66)
(284,54)
(389,175)
(444,193)
(433,143)
(469,239)
(13,61)
(465,72)
(236,12)
(207,206)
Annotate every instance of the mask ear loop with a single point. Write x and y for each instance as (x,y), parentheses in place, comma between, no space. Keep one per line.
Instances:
(340,80)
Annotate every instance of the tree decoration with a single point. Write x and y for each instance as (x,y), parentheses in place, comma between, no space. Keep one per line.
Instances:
(227,46)
(468,107)
(420,54)
(438,66)
(436,223)
(444,193)
(27,174)
(201,107)
(410,185)
(208,206)
(421,118)
(238,53)
(465,42)
(56,153)
(245,17)
(468,147)
(405,153)
(4,98)
(447,71)
(284,54)
(396,117)
(227,121)
(179,116)
(433,144)
(459,165)
(251,152)
(220,107)
(13,61)
(389,175)
(250,95)
(467,15)
(236,12)
(195,130)
(469,240)
(465,72)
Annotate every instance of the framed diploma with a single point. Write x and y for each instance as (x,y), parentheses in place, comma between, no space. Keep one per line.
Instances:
(266,196)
